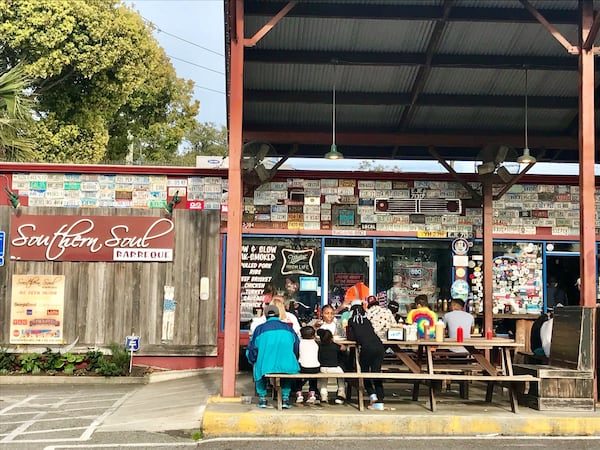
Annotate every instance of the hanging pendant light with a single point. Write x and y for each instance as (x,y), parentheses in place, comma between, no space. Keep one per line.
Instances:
(526,157)
(333,153)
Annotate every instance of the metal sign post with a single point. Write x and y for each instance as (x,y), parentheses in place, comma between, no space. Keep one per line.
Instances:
(132,343)
(2,239)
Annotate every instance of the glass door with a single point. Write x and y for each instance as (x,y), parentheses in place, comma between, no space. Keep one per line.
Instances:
(344,268)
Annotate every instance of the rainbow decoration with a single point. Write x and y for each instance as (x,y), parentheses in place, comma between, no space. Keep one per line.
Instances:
(423,317)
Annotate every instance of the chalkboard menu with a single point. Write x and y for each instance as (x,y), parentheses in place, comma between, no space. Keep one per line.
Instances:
(279,262)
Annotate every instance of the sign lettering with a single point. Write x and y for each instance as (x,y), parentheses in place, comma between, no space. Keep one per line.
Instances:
(94,238)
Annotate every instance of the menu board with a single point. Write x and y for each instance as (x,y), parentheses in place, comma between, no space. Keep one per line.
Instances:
(257,270)
(36,313)
(279,264)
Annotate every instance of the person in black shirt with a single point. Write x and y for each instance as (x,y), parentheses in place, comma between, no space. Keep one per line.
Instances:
(330,358)
(372,351)
(555,295)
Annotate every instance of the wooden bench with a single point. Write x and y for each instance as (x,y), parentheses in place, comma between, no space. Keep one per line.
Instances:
(567,381)
(409,377)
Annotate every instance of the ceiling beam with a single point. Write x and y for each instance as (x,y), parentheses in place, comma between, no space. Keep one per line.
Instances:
(422,76)
(324,10)
(399,59)
(383,98)
(467,139)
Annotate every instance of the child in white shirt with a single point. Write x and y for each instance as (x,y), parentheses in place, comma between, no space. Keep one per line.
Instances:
(309,363)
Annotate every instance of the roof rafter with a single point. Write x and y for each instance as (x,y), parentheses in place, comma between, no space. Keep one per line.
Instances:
(397,59)
(384,98)
(424,71)
(410,12)
(466,139)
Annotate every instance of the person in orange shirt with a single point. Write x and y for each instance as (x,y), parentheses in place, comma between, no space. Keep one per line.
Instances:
(360,291)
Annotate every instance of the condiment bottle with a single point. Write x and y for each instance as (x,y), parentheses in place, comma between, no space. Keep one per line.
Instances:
(439,331)
(459,334)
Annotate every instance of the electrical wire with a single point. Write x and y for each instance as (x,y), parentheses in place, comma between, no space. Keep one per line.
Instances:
(196,65)
(160,30)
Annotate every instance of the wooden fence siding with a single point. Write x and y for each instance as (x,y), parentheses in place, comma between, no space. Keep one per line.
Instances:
(104,301)
(210,260)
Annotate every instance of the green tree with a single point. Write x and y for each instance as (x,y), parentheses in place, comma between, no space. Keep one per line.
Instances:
(100,77)
(15,116)
(205,139)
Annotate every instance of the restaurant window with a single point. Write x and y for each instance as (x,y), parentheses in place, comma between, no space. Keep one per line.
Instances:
(423,267)
(517,269)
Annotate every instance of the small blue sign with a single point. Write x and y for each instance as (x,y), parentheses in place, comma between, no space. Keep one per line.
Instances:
(2,236)
(132,343)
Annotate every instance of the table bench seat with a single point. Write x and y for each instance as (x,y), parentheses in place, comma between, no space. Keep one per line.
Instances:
(414,378)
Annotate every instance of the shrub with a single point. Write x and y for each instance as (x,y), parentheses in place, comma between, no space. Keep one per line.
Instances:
(115,365)
(9,362)
(31,363)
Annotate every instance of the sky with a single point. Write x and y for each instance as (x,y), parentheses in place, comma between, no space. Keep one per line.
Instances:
(192,32)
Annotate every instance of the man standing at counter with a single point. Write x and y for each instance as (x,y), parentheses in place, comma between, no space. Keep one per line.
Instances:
(399,294)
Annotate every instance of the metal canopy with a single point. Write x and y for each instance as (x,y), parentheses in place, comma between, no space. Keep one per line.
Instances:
(411,75)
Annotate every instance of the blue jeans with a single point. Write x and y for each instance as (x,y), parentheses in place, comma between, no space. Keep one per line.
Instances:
(261,387)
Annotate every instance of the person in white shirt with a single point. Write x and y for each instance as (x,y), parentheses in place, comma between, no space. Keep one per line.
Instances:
(309,363)
(546,335)
(381,318)
(327,321)
(284,316)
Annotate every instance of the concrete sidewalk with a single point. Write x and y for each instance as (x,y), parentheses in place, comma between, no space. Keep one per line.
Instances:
(188,401)
(402,416)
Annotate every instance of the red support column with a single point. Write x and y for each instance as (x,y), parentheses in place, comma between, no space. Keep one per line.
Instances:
(231,347)
(488,255)
(587,206)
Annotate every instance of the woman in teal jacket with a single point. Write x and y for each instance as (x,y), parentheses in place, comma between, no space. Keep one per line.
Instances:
(273,348)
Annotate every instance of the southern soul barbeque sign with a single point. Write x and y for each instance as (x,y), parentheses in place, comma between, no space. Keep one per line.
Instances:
(91,238)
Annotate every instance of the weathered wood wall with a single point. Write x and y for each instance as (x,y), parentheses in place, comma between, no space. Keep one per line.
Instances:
(105,301)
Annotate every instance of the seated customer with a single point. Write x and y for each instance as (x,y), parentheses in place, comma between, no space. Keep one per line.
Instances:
(535,340)
(458,317)
(424,317)
(273,348)
(382,319)
(330,359)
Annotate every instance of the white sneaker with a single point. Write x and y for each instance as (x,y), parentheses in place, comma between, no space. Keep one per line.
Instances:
(312,398)
(376,407)
(373,398)
(299,398)
(324,395)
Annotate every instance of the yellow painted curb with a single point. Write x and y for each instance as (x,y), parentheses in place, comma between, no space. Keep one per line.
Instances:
(221,420)
(219,399)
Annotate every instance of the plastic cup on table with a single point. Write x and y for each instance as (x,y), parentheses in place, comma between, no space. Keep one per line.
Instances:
(489,334)
(459,334)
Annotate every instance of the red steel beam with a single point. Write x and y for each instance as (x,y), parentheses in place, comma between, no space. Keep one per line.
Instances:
(439,140)
(587,206)
(269,25)
(586,164)
(233,261)
(488,255)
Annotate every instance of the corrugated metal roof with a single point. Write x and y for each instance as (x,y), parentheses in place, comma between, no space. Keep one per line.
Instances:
(398,68)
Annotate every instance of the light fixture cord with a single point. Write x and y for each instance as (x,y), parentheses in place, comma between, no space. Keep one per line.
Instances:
(334,105)
(526,143)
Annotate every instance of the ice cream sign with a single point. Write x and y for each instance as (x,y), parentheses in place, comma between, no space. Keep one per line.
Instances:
(91,238)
